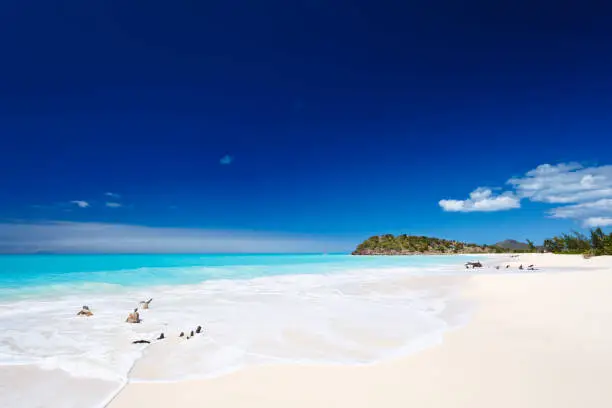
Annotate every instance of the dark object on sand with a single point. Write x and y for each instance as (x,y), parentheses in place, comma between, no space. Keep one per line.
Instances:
(161,336)
(199,329)
(191,335)
(182,334)
(497,267)
(507,266)
(473,265)
(141,342)
(521,267)
(85,311)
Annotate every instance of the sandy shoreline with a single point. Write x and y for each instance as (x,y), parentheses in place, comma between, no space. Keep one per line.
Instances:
(536,340)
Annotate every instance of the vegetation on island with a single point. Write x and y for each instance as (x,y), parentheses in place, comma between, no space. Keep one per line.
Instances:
(597,243)
(411,245)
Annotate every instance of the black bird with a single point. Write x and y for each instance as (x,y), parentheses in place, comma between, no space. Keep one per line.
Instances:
(199,329)
(161,336)
(182,334)
(191,335)
(141,341)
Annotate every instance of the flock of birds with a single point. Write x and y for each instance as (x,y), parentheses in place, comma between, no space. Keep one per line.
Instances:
(473,265)
(134,317)
(198,330)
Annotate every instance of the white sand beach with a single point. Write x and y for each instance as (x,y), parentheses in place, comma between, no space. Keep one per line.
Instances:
(540,339)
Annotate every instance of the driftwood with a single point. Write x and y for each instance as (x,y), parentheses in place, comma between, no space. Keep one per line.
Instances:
(473,265)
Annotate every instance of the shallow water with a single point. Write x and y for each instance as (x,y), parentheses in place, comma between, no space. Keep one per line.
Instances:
(256,309)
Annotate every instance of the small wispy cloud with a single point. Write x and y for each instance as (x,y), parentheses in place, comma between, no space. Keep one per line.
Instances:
(80,203)
(112,195)
(113,205)
(226,160)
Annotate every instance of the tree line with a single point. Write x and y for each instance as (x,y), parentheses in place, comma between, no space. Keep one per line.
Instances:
(596,243)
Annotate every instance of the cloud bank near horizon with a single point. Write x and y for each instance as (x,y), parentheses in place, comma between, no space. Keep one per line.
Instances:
(92,237)
(586,191)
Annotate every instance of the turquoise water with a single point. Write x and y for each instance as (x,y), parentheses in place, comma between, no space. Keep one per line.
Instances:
(24,273)
(256,310)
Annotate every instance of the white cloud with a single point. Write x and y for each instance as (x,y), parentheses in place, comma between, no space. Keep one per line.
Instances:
(590,213)
(113,205)
(227,159)
(586,190)
(80,203)
(65,237)
(112,195)
(550,169)
(598,222)
(482,199)
(564,183)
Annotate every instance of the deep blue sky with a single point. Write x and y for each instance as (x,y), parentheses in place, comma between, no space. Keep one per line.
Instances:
(343,118)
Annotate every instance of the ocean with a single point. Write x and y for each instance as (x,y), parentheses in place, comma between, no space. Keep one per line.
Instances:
(255,309)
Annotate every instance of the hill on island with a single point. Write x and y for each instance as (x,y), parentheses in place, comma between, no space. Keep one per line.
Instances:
(414,245)
(513,245)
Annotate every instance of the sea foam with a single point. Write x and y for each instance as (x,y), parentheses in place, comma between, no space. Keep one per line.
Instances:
(347,317)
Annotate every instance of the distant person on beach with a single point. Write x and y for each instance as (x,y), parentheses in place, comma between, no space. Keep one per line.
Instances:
(85,311)
(133,317)
(145,305)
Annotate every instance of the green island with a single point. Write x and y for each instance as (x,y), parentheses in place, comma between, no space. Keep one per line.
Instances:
(416,245)
(597,243)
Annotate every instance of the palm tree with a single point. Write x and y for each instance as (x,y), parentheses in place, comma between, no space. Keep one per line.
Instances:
(532,247)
